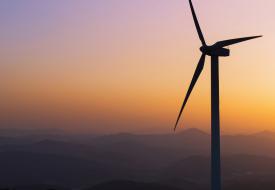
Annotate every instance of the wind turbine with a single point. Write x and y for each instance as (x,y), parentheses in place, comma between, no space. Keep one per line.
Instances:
(214,51)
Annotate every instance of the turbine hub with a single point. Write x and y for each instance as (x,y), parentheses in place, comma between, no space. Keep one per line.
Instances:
(203,49)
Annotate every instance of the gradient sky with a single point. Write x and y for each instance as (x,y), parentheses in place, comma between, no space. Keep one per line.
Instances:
(120,65)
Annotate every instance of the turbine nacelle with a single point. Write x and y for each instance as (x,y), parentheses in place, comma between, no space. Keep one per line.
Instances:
(215,51)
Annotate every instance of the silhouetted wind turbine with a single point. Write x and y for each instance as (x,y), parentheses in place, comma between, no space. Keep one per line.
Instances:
(214,51)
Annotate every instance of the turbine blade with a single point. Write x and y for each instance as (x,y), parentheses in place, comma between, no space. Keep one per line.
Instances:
(197,23)
(224,43)
(192,84)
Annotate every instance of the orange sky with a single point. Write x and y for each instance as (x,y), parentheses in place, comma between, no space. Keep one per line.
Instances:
(119,65)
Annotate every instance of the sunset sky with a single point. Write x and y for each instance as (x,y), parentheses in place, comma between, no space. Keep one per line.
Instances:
(125,65)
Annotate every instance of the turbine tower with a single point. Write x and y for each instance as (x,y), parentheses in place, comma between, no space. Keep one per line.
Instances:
(214,51)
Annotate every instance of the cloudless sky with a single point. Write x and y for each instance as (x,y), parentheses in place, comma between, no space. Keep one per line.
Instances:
(119,65)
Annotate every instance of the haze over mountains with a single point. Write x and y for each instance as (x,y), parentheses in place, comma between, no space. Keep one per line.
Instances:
(179,161)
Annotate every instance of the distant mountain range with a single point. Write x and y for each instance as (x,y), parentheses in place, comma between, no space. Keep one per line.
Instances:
(178,161)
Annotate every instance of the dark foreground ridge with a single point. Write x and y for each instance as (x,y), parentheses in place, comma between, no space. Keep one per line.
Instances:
(134,185)
(126,185)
